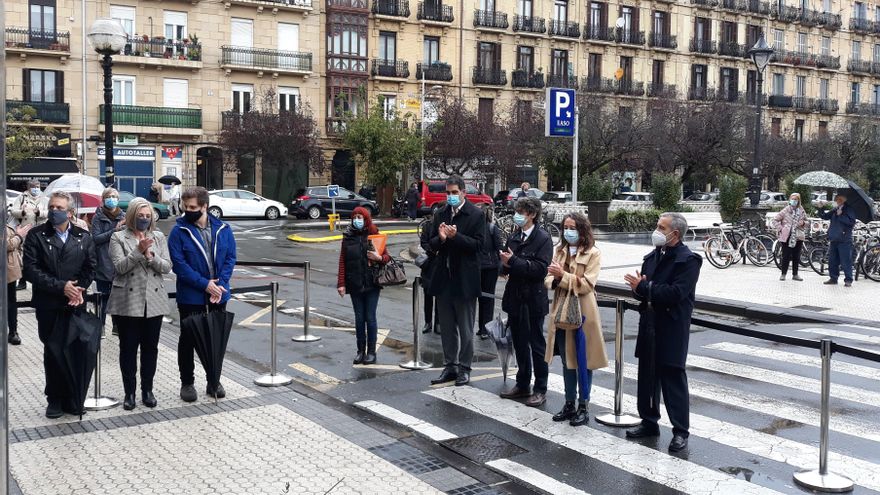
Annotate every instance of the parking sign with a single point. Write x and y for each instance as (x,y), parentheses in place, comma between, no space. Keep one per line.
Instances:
(333,191)
(559,109)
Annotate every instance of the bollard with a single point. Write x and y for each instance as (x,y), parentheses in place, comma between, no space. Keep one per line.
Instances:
(416,362)
(307,280)
(99,402)
(821,480)
(618,418)
(273,378)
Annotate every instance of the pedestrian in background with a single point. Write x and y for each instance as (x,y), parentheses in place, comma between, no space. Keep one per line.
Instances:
(412,201)
(523,190)
(490,265)
(139,299)
(668,283)
(427,268)
(355,277)
(840,233)
(26,211)
(108,219)
(175,200)
(457,236)
(76,220)
(14,240)
(202,250)
(525,260)
(791,230)
(575,269)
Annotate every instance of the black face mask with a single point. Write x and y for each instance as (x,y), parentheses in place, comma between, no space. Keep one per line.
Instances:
(192,216)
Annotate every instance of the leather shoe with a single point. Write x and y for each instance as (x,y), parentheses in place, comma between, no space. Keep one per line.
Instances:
(437,329)
(847,283)
(581,417)
(188,393)
(678,443)
(643,431)
(148,398)
(830,282)
(463,379)
(217,392)
(566,413)
(359,358)
(370,358)
(448,375)
(427,328)
(14,339)
(536,400)
(483,335)
(129,403)
(516,393)
(53,410)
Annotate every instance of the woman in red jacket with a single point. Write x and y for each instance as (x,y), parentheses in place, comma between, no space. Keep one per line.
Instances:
(355,278)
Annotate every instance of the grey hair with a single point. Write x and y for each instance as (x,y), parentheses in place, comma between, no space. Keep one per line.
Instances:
(108,191)
(32,183)
(678,222)
(530,206)
(61,195)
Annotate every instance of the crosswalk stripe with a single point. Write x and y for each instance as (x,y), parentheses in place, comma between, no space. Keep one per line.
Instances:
(870,339)
(424,428)
(322,377)
(794,358)
(533,478)
(674,472)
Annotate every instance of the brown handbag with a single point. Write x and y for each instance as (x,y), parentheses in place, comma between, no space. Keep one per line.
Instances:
(567,310)
(391,273)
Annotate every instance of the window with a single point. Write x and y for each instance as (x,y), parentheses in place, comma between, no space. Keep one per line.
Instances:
(856,50)
(823,129)
(877,53)
(42,16)
(875,96)
(877,13)
(175,25)
(661,24)
(387,46)
(802,42)
(560,10)
(778,84)
(698,76)
(488,56)
(432,49)
(123,90)
(485,111)
(241,97)
(799,130)
(629,15)
(288,99)
(125,16)
(826,46)
(389,106)
(487,5)
(753,34)
(176,93)
(775,126)
(347,40)
(859,10)
(855,92)
(525,59)
(43,86)
(823,89)
(594,66)
(778,39)
(288,39)
(525,8)
(752,84)
(728,32)
(626,63)
(598,19)
(559,60)
(242,32)
(729,83)
(800,86)
(657,72)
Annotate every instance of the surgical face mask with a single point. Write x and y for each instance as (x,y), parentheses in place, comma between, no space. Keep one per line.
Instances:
(142,224)
(111,203)
(35,191)
(793,202)
(453,199)
(658,239)
(519,219)
(571,236)
(192,216)
(358,223)
(57,217)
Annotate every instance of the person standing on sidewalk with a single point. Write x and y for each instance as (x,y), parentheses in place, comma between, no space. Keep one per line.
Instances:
(490,265)
(108,219)
(202,250)
(412,201)
(457,235)
(668,283)
(427,268)
(525,260)
(840,233)
(791,230)
(26,211)
(14,240)
(139,299)
(59,261)
(355,278)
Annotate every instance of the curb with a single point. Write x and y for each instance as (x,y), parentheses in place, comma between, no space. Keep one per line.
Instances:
(337,237)
(344,223)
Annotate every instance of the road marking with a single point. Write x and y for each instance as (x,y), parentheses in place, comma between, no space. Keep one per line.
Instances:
(533,478)
(312,372)
(423,428)
(674,472)
(261,228)
(387,367)
(843,335)
(791,357)
(473,379)
(265,238)
(250,320)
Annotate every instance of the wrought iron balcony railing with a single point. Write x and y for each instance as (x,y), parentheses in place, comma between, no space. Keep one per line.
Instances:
(784,13)
(159,47)
(666,41)
(263,58)
(437,71)
(177,118)
(45,112)
(392,8)
(435,12)
(805,59)
(861,25)
(855,107)
(780,101)
(598,33)
(658,90)
(490,19)
(830,21)
(708,4)
(523,79)
(627,87)
(826,106)
(37,39)
(567,29)
(562,81)
(489,77)
(757,7)
(390,68)
(595,85)
(728,95)
(348,4)
(529,24)
(733,49)
(703,46)
(629,37)
(859,66)
(803,104)
(701,93)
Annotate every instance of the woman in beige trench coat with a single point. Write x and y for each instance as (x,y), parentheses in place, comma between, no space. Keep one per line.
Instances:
(576,265)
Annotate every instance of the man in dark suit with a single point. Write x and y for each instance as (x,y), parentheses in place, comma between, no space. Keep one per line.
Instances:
(840,233)
(457,237)
(528,253)
(667,282)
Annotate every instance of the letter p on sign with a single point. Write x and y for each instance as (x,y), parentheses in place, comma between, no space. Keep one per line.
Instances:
(562,102)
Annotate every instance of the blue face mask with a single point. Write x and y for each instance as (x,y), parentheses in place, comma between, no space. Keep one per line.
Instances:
(111,203)
(35,191)
(57,217)
(793,202)
(358,223)
(571,236)
(453,199)
(519,219)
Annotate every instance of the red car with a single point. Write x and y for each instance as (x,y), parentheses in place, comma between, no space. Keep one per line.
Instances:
(434,192)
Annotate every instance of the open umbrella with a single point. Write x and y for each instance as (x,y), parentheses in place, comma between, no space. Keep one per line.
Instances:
(74,347)
(822,179)
(86,190)
(210,333)
(859,201)
(500,332)
(169,180)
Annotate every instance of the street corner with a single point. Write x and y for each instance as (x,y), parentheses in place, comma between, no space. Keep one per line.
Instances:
(313,237)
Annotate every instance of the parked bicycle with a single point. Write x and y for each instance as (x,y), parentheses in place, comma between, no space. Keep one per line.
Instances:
(733,243)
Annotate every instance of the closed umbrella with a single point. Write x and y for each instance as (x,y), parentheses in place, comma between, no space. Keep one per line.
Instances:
(822,179)
(210,333)
(580,340)
(500,332)
(74,347)
(859,201)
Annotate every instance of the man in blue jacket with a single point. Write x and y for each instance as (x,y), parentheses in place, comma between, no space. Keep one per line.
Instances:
(840,233)
(202,251)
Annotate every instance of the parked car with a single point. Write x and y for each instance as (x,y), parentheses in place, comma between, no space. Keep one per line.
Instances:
(635,196)
(769,198)
(702,196)
(513,195)
(241,203)
(556,197)
(435,193)
(314,202)
(159,209)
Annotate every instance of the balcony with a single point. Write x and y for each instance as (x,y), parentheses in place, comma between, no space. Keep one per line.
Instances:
(562,81)
(733,5)
(397,69)
(706,4)
(265,60)
(733,49)
(565,29)
(663,41)
(435,13)
(526,80)
(830,21)
(437,71)
(859,66)
(629,37)
(826,106)
(703,46)
(861,25)
(827,62)
(757,7)
(728,95)
(780,101)
(659,90)
(293,5)
(785,13)
(490,19)
(854,107)
(750,98)
(46,113)
(348,4)
(598,33)
(26,41)
(154,120)
(802,104)
(489,77)
(160,52)
(595,85)
(398,9)
(626,87)
(700,93)
(529,25)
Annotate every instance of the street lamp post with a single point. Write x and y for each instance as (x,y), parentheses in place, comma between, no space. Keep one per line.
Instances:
(108,37)
(422,123)
(760,55)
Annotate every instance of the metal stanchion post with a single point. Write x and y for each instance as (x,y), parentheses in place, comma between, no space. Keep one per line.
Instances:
(618,418)
(821,480)
(273,378)
(99,402)
(307,278)
(416,362)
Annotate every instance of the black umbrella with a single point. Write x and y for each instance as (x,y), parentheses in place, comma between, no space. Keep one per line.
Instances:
(74,347)
(648,341)
(169,180)
(859,201)
(210,333)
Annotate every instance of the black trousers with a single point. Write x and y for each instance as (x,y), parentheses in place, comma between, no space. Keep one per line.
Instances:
(56,386)
(137,332)
(791,255)
(12,308)
(430,317)
(186,346)
(488,279)
(527,330)
(672,382)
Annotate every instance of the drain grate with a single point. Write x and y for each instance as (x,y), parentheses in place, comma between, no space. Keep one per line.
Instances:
(483,447)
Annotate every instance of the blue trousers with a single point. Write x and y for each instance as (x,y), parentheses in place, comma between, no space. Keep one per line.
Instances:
(570,376)
(365,326)
(840,255)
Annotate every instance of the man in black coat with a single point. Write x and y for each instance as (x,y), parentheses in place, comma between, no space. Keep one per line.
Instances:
(59,261)
(525,260)
(412,201)
(667,282)
(457,237)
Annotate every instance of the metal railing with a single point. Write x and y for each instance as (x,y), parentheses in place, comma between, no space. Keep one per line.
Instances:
(660,90)
(728,95)
(37,39)
(784,13)
(394,8)
(830,21)
(804,58)
(416,362)
(699,93)
(803,104)
(598,33)
(733,49)
(435,13)
(162,48)
(705,3)
(562,81)
(629,37)
(780,101)
(667,41)
(703,46)
(626,87)
(390,68)
(861,25)
(757,7)
(266,58)
(178,118)
(827,106)
(490,19)
(856,65)
(567,29)
(854,107)
(348,4)
(290,3)
(491,77)
(434,72)
(46,112)
(523,79)
(522,23)
(750,98)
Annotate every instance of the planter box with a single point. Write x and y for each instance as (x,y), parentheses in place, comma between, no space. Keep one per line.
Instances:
(597,212)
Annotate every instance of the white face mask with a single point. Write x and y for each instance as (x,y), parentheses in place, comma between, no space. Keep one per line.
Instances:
(658,239)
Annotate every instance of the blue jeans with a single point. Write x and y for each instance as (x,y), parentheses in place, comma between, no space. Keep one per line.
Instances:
(365,326)
(570,376)
(840,255)
(104,288)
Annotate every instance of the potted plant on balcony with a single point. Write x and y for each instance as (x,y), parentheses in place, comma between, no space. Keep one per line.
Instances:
(194,49)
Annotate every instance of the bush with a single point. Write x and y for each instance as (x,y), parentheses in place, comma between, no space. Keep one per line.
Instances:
(594,188)
(633,220)
(732,191)
(667,191)
(806,193)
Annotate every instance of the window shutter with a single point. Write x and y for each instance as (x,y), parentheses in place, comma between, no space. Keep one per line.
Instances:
(59,87)
(635,20)
(26,84)
(497,60)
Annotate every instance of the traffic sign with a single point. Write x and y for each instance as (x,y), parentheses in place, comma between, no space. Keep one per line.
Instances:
(559,112)
(333,191)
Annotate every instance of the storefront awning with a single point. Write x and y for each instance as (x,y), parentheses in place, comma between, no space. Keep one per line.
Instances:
(43,169)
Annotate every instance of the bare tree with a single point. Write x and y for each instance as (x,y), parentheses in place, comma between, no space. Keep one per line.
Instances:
(854,144)
(460,141)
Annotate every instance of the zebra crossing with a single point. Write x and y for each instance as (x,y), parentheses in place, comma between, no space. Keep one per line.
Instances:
(754,410)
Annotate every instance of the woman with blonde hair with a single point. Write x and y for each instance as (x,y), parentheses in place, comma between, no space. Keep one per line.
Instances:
(139,300)
(791,230)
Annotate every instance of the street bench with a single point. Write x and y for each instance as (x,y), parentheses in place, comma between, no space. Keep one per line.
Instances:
(701,220)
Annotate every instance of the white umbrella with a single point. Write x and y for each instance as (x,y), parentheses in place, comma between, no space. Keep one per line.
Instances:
(825,180)
(86,190)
